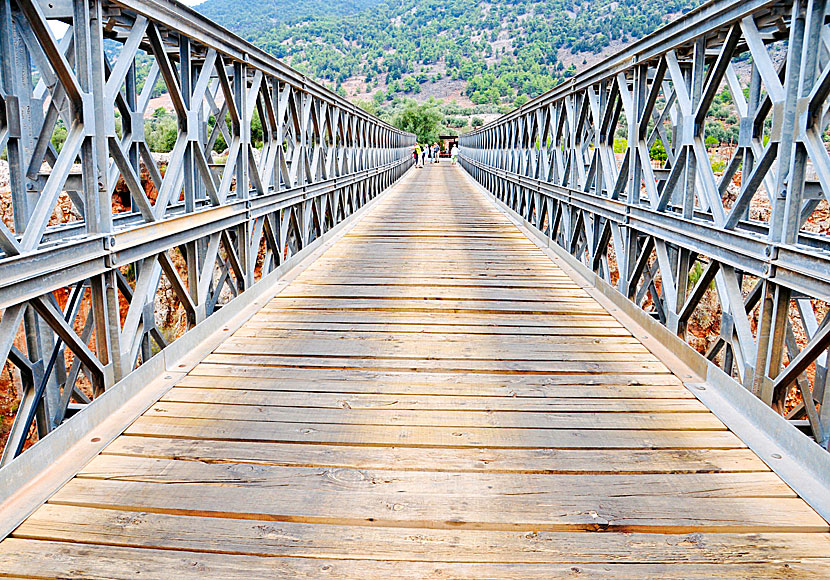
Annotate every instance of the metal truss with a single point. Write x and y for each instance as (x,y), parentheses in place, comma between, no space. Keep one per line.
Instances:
(670,235)
(78,295)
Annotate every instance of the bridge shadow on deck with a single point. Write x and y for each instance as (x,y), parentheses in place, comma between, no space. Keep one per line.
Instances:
(432,398)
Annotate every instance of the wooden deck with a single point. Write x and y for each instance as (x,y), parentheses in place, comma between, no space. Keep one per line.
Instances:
(432,398)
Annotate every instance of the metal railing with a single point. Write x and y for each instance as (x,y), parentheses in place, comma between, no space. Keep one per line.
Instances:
(615,167)
(101,237)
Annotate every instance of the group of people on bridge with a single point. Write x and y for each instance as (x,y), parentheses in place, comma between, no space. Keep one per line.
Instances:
(425,152)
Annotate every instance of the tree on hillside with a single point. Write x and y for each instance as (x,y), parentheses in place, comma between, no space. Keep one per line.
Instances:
(369,106)
(422,119)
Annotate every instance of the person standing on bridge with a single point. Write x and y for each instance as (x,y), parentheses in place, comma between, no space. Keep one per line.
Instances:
(454,154)
(419,156)
(436,151)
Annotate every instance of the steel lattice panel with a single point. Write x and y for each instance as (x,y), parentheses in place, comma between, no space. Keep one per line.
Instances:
(189,230)
(666,234)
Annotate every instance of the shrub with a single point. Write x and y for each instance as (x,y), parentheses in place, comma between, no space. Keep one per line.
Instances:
(59,136)
(657,152)
(423,120)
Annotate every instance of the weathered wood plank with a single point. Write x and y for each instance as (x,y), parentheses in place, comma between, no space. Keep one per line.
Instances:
(548,512)
(458,365)
(392,417)
(44,559)
(313,481)
(374,344)
(151,530)
(433,436)
(187,394)
(490,384)
(286,329)
(451,319)
(441,350)
(569,295)
(476,459)
(475,306)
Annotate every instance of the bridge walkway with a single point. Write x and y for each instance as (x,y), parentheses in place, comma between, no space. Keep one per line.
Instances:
(432,398)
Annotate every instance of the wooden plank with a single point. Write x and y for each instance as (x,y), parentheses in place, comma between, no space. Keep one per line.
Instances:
(151,530)
(490,419)
(298,328)
(548,512)
(443,383)
(475,306)
(444,279)
(316,482)
(457,365)
(459,281)
(538,460)
(358,264)
(585,344)
(452,319)
(361,263)
(473,249)
(45,559)
(355,253)
(396,436)
(188,394)
(437,350)
(570,295)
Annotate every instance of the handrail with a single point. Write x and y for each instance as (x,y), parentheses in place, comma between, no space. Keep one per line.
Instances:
(747,263)
(99,219)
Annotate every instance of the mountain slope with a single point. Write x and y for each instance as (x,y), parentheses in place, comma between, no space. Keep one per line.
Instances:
(250,19)
(499,52)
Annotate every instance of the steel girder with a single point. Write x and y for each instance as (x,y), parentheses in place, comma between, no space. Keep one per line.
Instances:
(81,277)
(579,164)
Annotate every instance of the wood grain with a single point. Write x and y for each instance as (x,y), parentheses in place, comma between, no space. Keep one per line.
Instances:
(432,398)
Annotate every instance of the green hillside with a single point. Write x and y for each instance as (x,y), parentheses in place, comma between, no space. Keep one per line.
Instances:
(499,52)
(251,19)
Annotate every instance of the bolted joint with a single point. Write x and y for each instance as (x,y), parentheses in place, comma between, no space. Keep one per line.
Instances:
(110,257)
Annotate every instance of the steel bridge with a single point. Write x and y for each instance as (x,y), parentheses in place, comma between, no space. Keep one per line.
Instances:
(304,357)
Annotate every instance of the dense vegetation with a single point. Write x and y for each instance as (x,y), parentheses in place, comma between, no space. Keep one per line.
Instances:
(501,53)
(251,19)
(502,50)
